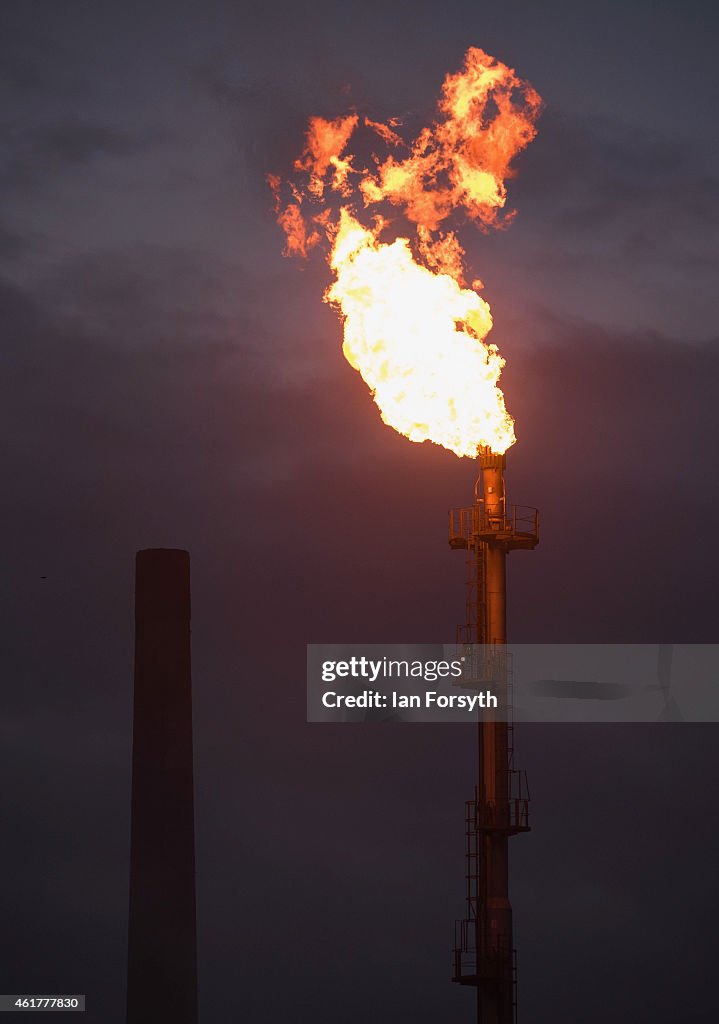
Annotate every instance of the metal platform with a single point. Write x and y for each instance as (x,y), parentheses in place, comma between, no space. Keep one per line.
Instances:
(515,529)
(468,969)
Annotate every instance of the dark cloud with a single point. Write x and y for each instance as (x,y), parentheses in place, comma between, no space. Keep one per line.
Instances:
(604,178)
(78,142)
(63,148)
(12,243)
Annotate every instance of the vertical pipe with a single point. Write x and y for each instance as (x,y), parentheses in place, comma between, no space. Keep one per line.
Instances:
(495,1000)
(492,467)
(162,957)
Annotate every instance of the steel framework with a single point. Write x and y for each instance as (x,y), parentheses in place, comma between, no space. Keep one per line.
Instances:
(484,954)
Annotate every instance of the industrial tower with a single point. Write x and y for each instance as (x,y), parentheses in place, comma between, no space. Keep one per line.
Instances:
(484,954)
(162,941)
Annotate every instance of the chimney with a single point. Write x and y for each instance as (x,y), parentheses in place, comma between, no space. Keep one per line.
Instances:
(162,941)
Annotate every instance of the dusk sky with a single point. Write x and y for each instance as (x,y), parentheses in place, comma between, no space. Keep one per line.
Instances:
(171,380)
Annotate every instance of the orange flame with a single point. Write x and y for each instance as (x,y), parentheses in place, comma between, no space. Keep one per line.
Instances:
(412,329)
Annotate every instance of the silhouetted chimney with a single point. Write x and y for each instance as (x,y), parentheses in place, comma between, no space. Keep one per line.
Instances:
(162,941)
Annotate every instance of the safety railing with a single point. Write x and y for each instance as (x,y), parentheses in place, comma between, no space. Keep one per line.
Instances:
(477,521)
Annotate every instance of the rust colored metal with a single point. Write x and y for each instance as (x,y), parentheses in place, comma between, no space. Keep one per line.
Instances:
(484,954)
